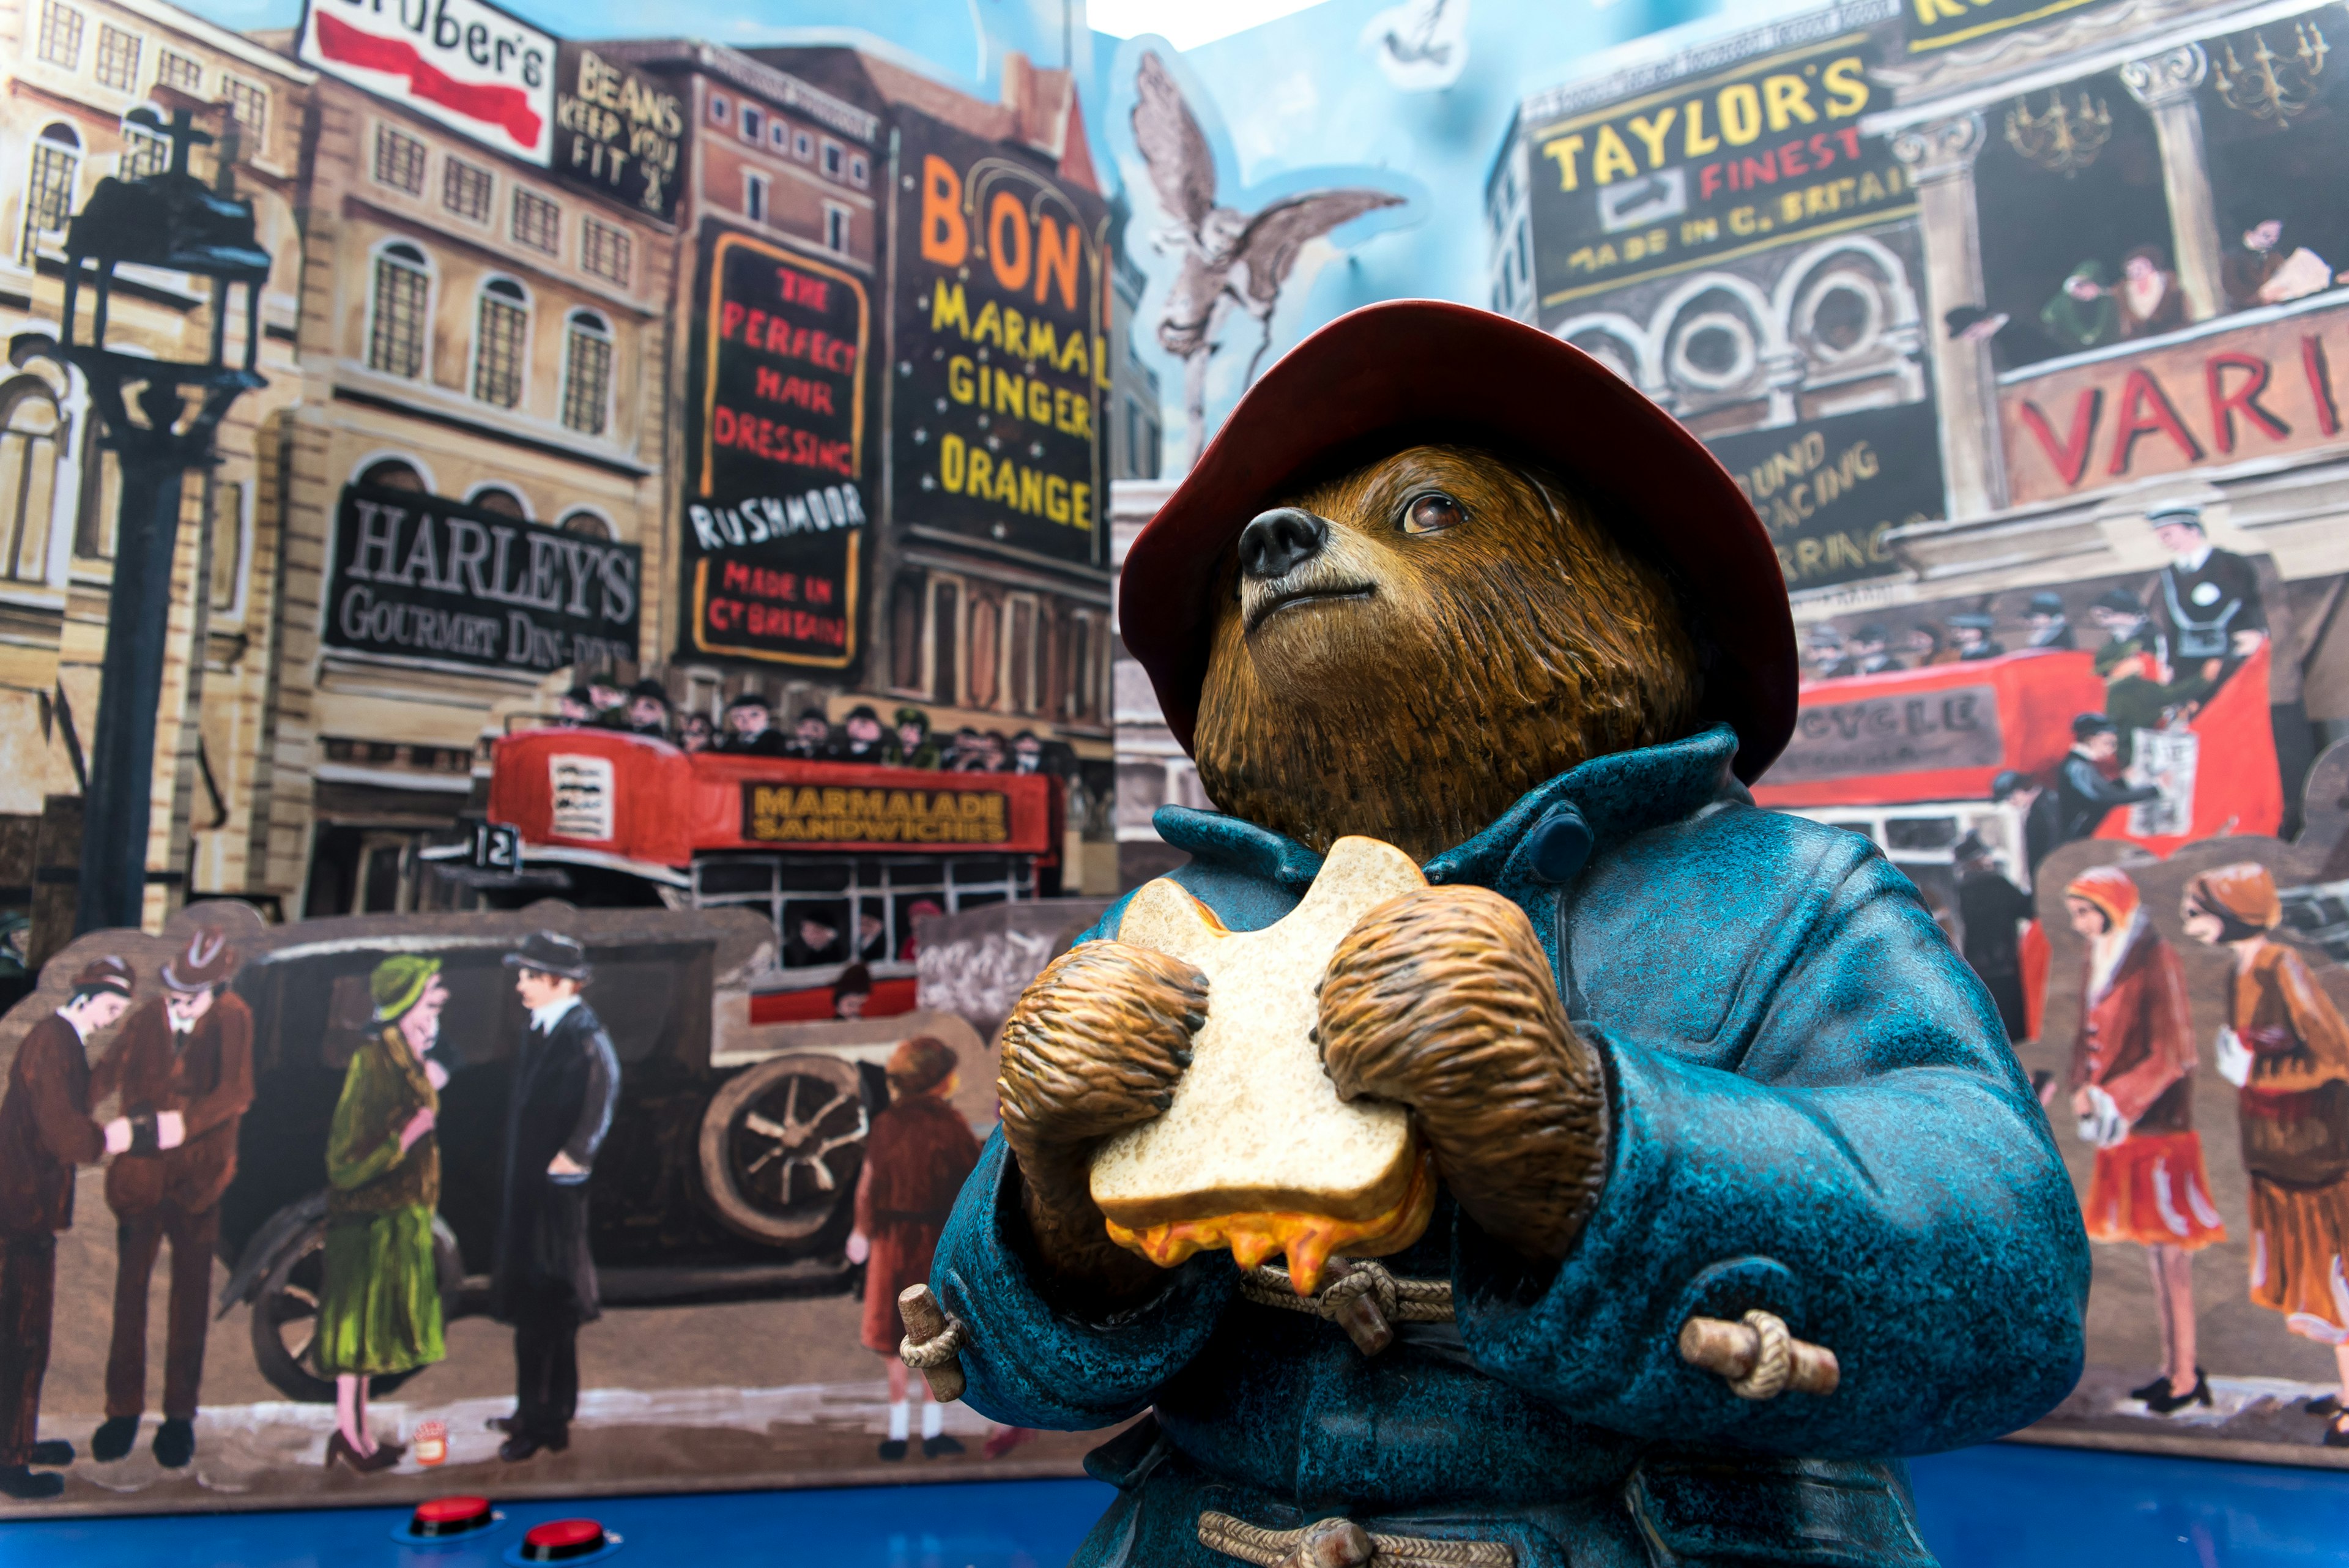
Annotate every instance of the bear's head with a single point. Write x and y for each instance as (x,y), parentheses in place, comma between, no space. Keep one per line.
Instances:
(1406,648)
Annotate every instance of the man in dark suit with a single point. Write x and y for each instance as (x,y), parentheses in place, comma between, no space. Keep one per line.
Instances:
(1992,910)
(2041,820)
(2084,794)
(541,1279)
(46,1131)
(183,1066)
(2206,604)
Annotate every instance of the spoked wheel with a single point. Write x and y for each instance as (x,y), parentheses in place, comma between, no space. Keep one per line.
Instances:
(285,1324)
(781,1146)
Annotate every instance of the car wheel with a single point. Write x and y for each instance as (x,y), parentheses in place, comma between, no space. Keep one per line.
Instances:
(285,1323)
(781,1146)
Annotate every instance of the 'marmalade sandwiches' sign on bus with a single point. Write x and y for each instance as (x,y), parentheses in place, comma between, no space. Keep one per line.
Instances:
(467,63)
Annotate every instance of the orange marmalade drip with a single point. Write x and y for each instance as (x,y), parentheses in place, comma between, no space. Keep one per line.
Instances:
(1308,1239)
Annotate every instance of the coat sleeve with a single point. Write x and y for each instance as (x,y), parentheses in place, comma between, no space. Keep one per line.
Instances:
(595,1105)
(230,1096)
(2317,1048)
(1874,1171)
(2164,1028)
(363,1140)
(63,1128)
(1030,1366)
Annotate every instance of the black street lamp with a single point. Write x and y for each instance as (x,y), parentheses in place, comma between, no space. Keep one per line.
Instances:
(169,221)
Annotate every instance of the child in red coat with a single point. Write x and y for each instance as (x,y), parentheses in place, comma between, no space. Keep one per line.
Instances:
(917,1159)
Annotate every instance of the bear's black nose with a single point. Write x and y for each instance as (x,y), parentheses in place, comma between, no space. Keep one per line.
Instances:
(1278,540)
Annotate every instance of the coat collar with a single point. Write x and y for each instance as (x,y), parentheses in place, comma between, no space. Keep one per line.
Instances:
(1611,798)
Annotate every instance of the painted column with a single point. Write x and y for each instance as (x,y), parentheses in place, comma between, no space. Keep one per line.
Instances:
(2165,85)
(1940,158)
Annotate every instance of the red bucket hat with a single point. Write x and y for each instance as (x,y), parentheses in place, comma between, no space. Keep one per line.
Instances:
(1424,369)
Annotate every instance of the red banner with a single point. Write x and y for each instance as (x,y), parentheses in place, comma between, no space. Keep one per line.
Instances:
(1938,734)
(642,799)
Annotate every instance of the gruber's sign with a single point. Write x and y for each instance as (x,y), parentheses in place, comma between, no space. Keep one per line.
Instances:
(1709,169)
(807,814)
(618,133)
(2218,398)
(416,577)
(467,63)
(776,513)
(997,414)
(1830,490)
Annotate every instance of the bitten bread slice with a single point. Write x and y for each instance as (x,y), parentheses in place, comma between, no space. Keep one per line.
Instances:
(1256,1127)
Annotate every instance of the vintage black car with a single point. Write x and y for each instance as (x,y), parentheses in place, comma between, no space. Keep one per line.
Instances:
(726,1175)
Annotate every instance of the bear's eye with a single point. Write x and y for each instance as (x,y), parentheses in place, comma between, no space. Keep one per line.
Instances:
(1432,514)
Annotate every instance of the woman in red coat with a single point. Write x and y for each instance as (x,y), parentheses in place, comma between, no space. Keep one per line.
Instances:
(2132,1082)
(917,1159)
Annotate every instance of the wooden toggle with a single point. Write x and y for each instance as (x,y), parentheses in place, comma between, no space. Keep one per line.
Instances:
(933,1343)
(1758,1357)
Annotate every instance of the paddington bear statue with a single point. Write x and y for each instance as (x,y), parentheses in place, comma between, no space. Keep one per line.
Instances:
(1445,581)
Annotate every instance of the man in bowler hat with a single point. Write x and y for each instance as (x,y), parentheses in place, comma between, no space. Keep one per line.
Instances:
(183,1066)
(46,1131)
(541,1279)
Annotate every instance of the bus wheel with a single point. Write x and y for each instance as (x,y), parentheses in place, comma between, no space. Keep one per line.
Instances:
(781,1147)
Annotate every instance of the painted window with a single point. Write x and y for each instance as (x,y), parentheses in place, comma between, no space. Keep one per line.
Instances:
(49,185)
(249,104)
(754,196)
(537,221)
(605,250)
(587,373)
(143,153)
(174,70)
(398,161)
(403,289)
(60,37)
(117,58)
(501,343)
(835,228)
(32,433)
(465,189)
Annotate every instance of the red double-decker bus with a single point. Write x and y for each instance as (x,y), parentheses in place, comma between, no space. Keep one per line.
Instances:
(605,818)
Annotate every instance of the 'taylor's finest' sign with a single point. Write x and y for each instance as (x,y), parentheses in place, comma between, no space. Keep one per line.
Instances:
(465,63)
(416,577)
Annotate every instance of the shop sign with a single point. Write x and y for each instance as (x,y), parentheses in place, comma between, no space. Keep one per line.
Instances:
(477,69)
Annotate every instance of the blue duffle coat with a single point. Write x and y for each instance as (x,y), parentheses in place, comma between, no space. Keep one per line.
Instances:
(1815,1112)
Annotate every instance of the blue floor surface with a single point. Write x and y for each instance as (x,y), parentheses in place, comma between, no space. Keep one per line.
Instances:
(2005,1506)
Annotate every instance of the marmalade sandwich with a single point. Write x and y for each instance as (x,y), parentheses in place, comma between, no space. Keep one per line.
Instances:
(1257,1153)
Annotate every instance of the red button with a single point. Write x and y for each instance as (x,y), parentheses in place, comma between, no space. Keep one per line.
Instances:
(559,1540)
(444,1516)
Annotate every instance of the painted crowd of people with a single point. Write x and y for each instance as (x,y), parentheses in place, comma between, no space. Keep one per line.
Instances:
(2095,305)
(2165,650)
(746,725)
(2283,1046)
(181,1067)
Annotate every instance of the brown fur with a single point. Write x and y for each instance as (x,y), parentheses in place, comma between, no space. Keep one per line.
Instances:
(1093,1046)
(1485,660)
(1444,1000)
(1440,677)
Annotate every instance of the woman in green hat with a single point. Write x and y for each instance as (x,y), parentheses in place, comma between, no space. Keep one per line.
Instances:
(381,1311)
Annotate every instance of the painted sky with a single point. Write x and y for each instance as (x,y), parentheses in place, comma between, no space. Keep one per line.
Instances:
(1295,101)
